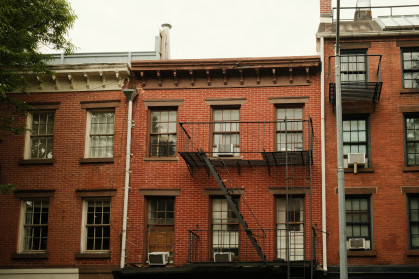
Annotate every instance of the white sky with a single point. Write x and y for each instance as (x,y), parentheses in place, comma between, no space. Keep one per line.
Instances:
(203,28)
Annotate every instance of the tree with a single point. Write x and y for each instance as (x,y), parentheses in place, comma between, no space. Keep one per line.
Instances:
(25,26)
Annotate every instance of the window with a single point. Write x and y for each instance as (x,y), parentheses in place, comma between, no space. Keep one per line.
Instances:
(295,215)
(355,135)
(289,133)
(160,225)
(353,65)
(41,134)
(97,225)
(358,218)
(225,227)
(35,225)
(226,134)
(410,57)
(99,139)
(163,133)
(413,215)
(412,139)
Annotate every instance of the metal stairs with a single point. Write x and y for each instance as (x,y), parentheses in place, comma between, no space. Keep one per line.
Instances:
(233,205)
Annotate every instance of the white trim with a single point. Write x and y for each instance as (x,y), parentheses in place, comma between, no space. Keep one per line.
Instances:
(83,227)
(40,273)
(27,151)
(87,137)
(21,235)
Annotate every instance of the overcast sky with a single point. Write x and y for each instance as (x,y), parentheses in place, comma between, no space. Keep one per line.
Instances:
(203,28)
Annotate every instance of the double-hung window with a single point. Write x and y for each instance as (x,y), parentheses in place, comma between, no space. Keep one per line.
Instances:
(35,225)
(97,225)
(412,139)
(100,134)
(353,65)
(413,215)
(226,131)
(289,130)
(225,227)
(163,133)
(410,67)
(41,134)
(358,218)
(355,135)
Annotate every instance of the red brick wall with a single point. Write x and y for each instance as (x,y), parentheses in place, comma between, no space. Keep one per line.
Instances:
(325,6)
(387,155)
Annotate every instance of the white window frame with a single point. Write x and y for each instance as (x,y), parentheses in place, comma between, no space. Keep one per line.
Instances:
(28,136)
(87,150)
(83,243)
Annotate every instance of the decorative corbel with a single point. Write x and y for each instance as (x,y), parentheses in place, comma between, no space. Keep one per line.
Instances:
(257,75)
(273,76)
(290,70)
(87,78)
(70,78)
(55,80)
(158,77)
(308,74)
(143,82)
(103,79)
(175,78)
(192,77)
(41,83)
(225,76)
(241,76)
(209,77)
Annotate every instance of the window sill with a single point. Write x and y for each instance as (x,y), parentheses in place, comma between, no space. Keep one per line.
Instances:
(409,90)
(29,256)
(360,170)
(36,161)
(362,253)
(96,160)
(160,159)
(411,169)
(104,255)
(412,253)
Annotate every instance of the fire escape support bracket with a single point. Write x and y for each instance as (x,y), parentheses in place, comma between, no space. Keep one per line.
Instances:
(233,205)
(267,162)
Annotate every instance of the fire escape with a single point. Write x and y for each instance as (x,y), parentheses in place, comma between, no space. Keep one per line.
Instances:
(286,145)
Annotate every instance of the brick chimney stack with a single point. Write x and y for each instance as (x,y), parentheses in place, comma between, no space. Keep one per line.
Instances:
(326,11)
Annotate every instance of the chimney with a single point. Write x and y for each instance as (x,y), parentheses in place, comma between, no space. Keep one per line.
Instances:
(363,10)
(326,11)
(164,41)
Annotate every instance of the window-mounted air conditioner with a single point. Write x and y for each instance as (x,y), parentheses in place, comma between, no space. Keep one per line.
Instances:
(223,257)
(356,158)
(356,243)
(158,258)
(225,150)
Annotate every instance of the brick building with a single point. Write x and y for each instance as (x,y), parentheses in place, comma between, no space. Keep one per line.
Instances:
(379,71)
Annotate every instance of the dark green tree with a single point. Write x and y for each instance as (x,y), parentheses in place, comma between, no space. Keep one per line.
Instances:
(25,27)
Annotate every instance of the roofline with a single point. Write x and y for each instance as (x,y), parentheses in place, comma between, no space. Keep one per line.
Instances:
(404,33)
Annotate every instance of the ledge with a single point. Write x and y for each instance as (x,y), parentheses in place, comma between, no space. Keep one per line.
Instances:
(366,253)
(409,90)
(104,255)
(96,160)
(411,169)
(29,256)
(160,159)
(36,161)
(43,193)
(160,192)
(360,170)
(412,253)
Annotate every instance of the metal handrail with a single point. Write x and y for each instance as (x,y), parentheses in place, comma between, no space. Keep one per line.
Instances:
(370,8)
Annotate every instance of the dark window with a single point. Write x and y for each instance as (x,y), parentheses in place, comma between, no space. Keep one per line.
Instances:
(98,225)
(225,227)
(35,225)
(289,133)
(358,217)
(410,60)
(226,131)
(413,207)
(412,139)
(41,135)
(353,65)
(294,216)
(160,224)
(355,135)
(163,133)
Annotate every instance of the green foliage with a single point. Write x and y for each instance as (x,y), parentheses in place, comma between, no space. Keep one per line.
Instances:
(6,188)
(26,25)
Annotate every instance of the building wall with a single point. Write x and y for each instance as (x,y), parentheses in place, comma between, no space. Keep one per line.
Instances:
(389,213)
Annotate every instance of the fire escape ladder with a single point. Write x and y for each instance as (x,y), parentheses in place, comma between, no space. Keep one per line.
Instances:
(233,205)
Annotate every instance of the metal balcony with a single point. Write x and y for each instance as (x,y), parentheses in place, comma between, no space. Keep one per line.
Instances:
(361,79)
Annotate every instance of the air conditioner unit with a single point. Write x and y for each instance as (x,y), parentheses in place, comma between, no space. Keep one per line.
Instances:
(356,243)
(225,150)
(223,257)
(358,158)
(158,258)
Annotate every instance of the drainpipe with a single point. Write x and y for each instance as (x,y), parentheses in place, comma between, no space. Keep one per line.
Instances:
(129,93)
(323,157)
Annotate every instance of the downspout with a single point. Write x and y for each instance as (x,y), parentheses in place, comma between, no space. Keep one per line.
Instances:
(129,93)
(323,156)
